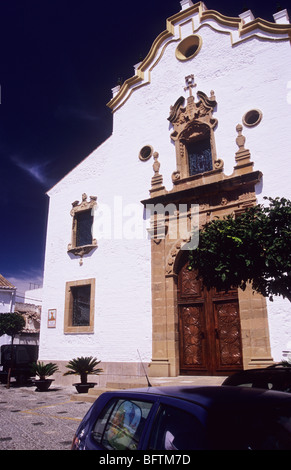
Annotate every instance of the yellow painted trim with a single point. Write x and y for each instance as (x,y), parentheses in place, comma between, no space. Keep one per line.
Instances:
(136,81)
(266,26)
(181,15)
(149,73)
(239,41)
(221,19)
(124,89)
(168,33)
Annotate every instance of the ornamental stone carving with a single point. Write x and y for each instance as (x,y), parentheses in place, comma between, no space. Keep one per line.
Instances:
(194,124)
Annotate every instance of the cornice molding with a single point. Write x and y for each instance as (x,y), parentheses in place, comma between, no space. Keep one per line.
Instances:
(266,26)
(221,19)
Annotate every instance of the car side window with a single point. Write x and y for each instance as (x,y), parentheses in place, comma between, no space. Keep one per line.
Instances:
(176,429)
(120,425)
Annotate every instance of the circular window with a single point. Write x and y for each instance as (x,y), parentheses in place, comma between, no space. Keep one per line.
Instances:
(189,47)
(252,117)
(146,153)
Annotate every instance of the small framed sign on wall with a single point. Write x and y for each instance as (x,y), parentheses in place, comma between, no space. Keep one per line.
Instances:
(52,318)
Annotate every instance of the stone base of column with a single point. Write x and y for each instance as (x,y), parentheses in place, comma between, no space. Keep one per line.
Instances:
(159,368)
(260,362)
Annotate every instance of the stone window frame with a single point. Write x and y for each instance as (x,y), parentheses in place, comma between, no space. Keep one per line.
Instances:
(76,209)
(68,312)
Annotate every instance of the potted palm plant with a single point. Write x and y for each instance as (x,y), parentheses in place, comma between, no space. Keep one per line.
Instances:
(83,366)
(43,371)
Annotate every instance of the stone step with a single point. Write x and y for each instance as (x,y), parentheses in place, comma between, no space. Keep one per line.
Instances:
(91,396)
(96,391)
(83,397)
(124,385)
(93,393)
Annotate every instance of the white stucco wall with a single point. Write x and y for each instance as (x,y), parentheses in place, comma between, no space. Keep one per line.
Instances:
(251,74)
(120,266)
(33,296)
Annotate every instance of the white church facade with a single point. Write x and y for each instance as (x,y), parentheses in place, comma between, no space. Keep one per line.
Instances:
(201,130)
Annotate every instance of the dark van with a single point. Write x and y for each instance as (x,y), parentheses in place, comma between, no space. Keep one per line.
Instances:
(23,356)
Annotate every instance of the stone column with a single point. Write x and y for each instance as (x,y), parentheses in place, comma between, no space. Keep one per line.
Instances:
(159,366)
(254,329)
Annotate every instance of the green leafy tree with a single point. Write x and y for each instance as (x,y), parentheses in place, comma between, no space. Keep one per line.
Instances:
(253,247)
(11,324)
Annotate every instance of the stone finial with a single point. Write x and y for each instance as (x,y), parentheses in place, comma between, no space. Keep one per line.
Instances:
(240,140)
(281,17)
(242,156)
(156,165)
(186,4)
(115,90)
(157,179)
(212,96)
(247,16)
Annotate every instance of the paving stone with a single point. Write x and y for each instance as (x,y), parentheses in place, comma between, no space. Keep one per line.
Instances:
(30,423)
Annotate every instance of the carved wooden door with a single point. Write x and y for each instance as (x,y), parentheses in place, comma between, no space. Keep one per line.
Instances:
(209,328)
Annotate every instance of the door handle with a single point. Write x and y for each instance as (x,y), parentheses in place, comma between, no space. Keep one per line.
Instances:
(216,333)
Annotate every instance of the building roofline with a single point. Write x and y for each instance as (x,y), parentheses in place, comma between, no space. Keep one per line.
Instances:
(5,284)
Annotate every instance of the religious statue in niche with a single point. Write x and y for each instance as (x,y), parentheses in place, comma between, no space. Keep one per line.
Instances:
(193,133)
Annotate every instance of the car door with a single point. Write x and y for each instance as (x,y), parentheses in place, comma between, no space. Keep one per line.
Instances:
(121,423)
(177,425)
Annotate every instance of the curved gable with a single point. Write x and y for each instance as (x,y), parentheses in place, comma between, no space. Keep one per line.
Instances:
(239,29)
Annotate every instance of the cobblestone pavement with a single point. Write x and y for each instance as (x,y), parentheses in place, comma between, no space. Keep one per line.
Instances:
(31,420)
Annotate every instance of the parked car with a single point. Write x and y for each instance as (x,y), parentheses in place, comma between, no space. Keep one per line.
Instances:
(23,356)
(187,418)
(270,378)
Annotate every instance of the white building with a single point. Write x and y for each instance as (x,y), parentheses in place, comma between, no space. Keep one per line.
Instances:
(210,108)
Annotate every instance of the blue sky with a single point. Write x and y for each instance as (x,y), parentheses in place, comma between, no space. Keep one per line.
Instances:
(59,60)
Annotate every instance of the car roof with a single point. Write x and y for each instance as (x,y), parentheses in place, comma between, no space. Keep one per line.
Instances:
(266,370)
(252,374)
(212,396)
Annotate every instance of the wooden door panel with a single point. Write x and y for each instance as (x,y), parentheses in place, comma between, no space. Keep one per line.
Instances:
(228,336)
(188,285)
(192,338)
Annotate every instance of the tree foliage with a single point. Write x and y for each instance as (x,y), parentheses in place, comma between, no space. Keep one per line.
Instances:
(252,247)
(11,324)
